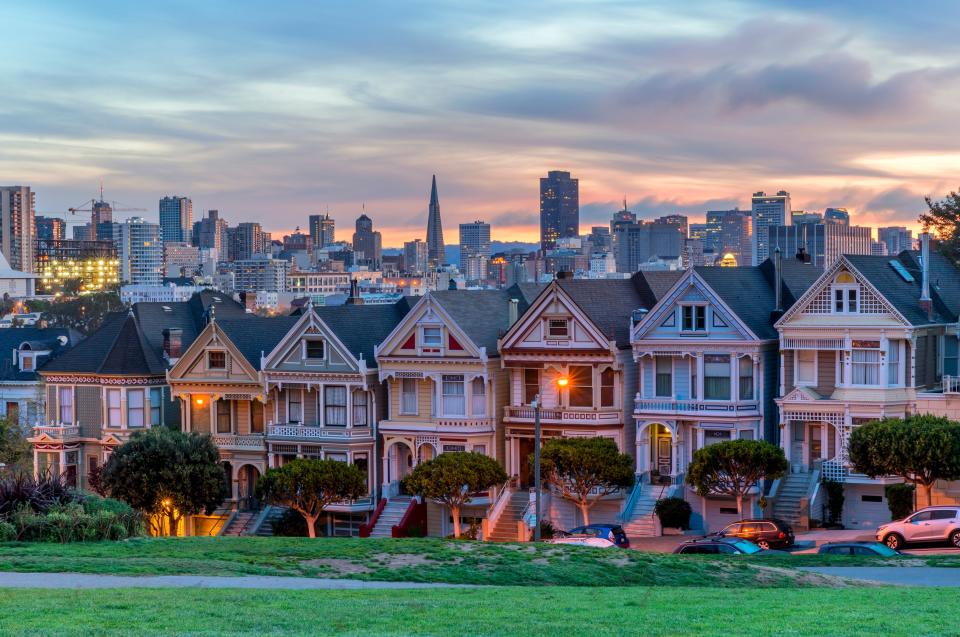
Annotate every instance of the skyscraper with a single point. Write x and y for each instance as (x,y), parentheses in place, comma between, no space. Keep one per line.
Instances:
(767,211)
(247,240)
(836,216)
(17,231)
(101,212)
(51,228)
(140,251)
(475,249)
(176,218)
(211,233)
(367,241)
(729,232)
(415,257)
(435,248)
(321,230)
(559,208)
(896,238)
(822,243)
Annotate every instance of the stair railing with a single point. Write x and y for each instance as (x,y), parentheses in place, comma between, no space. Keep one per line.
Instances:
(226,523)
(490,523)
(257,522)
(414,517)
(626,513)
(367,528)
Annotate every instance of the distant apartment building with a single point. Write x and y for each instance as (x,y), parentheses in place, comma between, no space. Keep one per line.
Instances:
(17,232)
(475,249)
(559,208)
(820,244)
(729,232)
(140,250)
(176,218)
(180,259)
(767,210)
(637,243)
(211,232)
(318,285)
(93,263)
(415,257)
(368,242)
(599,240)
(896,238)
(165,293)
(50,228)
(248,240)
(262,273)
(298,242)
(322,230)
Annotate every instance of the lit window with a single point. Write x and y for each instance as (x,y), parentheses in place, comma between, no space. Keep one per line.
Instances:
(580,389)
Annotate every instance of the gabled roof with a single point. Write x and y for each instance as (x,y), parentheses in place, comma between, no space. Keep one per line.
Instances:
(256,335)
(484,315)
(117,348)
(39,339)
(362,327)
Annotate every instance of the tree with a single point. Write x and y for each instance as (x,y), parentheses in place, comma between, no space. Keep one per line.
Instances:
(581,467)
(943,217)
(166,474)
(734,467)
(309,486)
(921,449)
(15,451)
(451,478)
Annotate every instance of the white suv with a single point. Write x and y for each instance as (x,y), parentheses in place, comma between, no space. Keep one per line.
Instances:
(932,524)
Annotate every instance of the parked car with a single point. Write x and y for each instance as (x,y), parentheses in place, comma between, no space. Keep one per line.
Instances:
(715,545)
(612,532)
(864,549)
(583,540)
(931,524)
(766,533)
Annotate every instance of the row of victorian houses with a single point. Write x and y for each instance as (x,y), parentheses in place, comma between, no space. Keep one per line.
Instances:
(663,363)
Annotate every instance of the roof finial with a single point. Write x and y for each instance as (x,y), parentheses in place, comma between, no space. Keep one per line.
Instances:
(213,312)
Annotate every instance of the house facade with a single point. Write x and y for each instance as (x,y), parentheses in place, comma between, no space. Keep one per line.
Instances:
(23,350)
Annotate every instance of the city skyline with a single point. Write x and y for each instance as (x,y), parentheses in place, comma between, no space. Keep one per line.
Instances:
(721,109)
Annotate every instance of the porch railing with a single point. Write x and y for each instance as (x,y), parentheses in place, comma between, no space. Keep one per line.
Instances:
(604,416)
(951,384)
(235,441)
(307,431)
(57,431)
(695,406)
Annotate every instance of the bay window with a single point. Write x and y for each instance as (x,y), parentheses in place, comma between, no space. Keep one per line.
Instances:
(716,377)
(664,377)
(531,385)
(865,363)
(135,408)
(114,412)
(580,389)
(454,399)
(479,401)
(806,368)
(746,378)
(408,396)
(335,406)
(360,408)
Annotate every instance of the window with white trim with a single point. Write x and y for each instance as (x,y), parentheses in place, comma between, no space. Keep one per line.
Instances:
(432,337)
(114,411)
(223,417)
(156,398)
(408,396)
(136,408)
(478,389)
(865,363)
(558,328)
(664,377)
(453,396)
(580,389)
(893,363)
(746,378)
(693,318)
(313,349)
(607,387)
(335,406)
(360,408)
(65,398)
(216,360)
(806,368)
(716,377)
(531,385)
(846,294)
(294,405)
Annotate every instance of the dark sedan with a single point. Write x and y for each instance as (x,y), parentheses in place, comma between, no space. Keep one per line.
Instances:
(858,549)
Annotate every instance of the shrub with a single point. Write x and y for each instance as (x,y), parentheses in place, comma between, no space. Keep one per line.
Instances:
(37,494)
(71,523)
(834,503)
(900,499)
(8,532)
(674,513)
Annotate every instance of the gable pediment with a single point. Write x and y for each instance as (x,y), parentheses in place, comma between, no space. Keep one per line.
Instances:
(213,357)
(431,332)
(674,317)
(554,321)
(311,347)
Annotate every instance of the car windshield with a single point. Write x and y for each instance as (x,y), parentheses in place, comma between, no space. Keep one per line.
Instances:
(746,547)
(883,550)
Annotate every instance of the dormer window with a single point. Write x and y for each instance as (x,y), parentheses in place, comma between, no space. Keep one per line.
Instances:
(432,337)
(26,362)
(216,360)
(846,294)
(314,349)
(558,328)
(693,318)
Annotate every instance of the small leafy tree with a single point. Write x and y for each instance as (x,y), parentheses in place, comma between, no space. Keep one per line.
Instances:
(15,451)
(835,500)
(451,478)
(943,217)
(921,449)
(309,486)
(579,467)
(734,467)
(166,474)
(900,499)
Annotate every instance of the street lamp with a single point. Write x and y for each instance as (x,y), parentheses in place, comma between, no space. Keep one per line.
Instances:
(562,381)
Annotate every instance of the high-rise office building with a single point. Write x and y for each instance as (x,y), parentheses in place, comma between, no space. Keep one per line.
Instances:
(17,232)
(140,250)
(322,230)
(435,248)
(367,241)
(680,221)
(896,238)
(211,233)
(820,243)
(176,218)
(845,239)
(261,274)
(475,245)
(247,240)
(772,210)
(51,228)
(698,231)
(836,216)
(559,208)
(415,257)
(802,216)
(180,259)
(637,243)
(728,232)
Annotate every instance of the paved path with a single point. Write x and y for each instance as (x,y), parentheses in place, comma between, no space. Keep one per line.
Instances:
(79,580)
(902,575)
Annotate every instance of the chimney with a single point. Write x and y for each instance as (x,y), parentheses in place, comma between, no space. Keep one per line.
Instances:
(355,298)
(172,343)
(925,301)
(513,311)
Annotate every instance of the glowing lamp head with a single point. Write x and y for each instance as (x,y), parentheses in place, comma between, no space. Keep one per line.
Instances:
(199,401)
(563,381)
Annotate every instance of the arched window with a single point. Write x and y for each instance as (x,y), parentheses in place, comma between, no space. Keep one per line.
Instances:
(846,294)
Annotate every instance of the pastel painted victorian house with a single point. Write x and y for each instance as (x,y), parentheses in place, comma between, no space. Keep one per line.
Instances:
(22,351)
(579,329)
(874,337)
(446,386)
(707,361)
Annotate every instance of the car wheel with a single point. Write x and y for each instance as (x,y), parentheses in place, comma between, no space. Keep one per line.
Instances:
(955,538)
(894,541)
(764,545)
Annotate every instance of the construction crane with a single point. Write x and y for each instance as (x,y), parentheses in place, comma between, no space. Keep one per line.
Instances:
(93,202)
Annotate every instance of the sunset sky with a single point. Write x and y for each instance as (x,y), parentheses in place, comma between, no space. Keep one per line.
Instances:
(272,111)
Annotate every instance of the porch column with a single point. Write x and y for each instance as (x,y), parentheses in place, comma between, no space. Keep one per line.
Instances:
(386,468)
(677,450)
(643,449)
(823,440)
(36,464)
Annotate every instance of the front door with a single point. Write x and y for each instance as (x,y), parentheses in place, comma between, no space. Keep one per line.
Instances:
(816,445)
(796,443)
(525,448)
(664,454)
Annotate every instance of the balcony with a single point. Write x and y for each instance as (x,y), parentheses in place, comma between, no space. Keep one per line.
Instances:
(696,407)
(234,442)
(306,432)
(57,432)
(441,424)
(565,416)
(951,384)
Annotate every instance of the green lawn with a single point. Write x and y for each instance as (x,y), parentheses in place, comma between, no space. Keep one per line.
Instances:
(412,560)
(482,612)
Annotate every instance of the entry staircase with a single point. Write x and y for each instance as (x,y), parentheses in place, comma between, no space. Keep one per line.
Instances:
(505,529)
(390,516)
(240,523)
(787,507)
(641,521)
(266,526)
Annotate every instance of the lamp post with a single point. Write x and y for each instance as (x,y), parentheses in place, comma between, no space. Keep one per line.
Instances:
(562,382)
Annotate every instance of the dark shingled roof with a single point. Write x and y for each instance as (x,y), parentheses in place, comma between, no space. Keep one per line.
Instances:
(484,315)
(256,335)
(39,338)
(117,348)
(610,302)
(362,327)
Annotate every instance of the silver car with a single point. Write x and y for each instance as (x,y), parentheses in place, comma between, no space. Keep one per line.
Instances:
(932,524)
